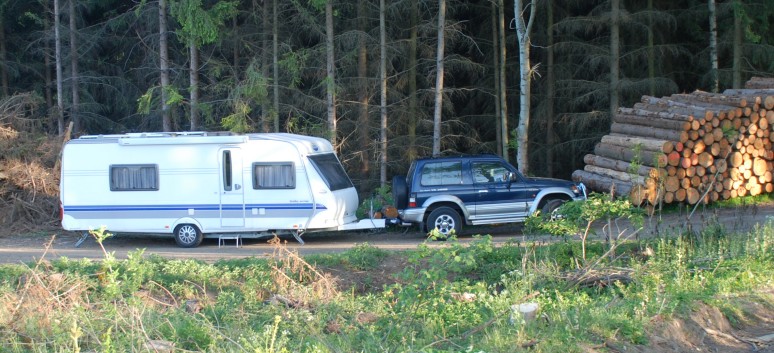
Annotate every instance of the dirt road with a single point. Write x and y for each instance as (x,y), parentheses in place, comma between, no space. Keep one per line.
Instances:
(26,248)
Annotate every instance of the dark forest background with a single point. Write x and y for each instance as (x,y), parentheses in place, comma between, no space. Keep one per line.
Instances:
(260,66)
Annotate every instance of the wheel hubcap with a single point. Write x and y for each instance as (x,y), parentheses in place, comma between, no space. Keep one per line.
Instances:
(444,224)
(187,234)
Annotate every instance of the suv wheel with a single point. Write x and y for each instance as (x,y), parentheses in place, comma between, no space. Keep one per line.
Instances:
(445,220)
(400,192)
(550,207)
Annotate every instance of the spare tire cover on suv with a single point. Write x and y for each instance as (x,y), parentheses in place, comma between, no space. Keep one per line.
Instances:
(400,192)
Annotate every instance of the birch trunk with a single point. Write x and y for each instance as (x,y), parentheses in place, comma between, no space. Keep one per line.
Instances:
(502,92)
(439,79)
(525,69)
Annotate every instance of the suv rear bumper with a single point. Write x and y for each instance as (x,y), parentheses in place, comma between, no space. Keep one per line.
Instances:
(412,215)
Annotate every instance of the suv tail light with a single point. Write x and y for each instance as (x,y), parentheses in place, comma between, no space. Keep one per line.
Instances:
(412,201)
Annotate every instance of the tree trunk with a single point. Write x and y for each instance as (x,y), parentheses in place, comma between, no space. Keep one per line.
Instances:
(615,56)
(651,52)
(502,92)
(413,104)
(3,58)
(49,82)
(75,108)
(525,70)
(713,46)
(275,64)
(330,70)
(267,112)
(550,90)
(383,105)
(737,46)
(439,79)
(363,123)
(166,119)
(496,68)
(194,81)
(59,78)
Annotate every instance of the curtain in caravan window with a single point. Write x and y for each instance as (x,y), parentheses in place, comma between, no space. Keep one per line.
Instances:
(141,177)
(274,176)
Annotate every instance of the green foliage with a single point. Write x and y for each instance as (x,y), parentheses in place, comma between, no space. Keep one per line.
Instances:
(447,293)
(380,198)
(147,100)
(198,24)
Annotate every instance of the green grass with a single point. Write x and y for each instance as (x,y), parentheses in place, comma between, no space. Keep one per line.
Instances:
(281,305)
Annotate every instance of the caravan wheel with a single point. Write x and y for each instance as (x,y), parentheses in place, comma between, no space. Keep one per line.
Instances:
(188,236)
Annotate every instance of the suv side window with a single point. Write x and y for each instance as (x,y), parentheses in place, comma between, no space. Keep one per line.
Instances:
(441,173)
(489,172)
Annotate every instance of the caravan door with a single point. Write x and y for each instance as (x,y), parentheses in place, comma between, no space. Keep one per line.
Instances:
(232,195)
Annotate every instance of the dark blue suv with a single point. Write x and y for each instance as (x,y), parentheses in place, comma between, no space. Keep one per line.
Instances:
(445,193)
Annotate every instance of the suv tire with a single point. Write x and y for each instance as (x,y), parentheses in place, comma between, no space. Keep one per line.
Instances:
(445,219)
(400,192)
(550,207)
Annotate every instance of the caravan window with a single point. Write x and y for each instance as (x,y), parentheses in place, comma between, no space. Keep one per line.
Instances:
(331,171)
(274,175)
(134,177)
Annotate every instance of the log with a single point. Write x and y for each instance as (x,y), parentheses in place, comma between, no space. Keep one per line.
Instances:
(599,183)
(722,99)
(641,109)
(759,83)
(647,158)
(692,196)
(623,176)
(679,107)
(632,142)
(692,100)
(670,124)
(649,132)
(620,165)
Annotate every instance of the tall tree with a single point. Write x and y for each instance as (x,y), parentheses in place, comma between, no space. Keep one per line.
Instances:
(75,104)
(439,78)
(199,26)
(59,76)
(383,91)
(615,54)
(330,86)
(166,117)
(413,100)
(738,43)
(523,30)
(713,46)
(363,122)
(501,80)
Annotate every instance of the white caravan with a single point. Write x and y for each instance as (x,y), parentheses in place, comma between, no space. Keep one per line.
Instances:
(197,184)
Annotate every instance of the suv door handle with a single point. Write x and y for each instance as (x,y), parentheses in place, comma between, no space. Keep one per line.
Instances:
(483,191)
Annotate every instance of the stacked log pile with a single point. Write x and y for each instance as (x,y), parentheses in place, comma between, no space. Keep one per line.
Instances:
(698,147)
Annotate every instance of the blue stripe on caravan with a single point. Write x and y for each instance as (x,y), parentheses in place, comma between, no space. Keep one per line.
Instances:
(106,208)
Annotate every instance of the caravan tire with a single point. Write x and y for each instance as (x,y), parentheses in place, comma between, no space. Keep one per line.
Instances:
(188,236)
(400,192)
